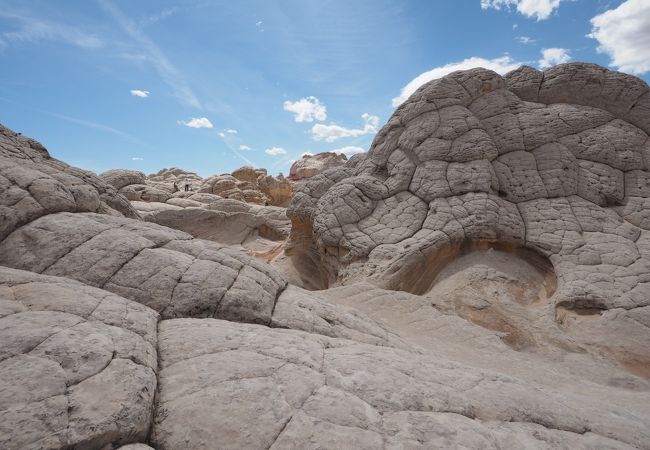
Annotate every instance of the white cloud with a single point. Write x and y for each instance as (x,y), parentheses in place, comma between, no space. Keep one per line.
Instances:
(303,154)
(197,122)
(540,9)
(275,151)
(137,158)
(331,133)
(139,93)
(624,34)
(33,29)
(245,148)
(223,135)
(258,25)
(154,55)
(349,150)
(525,40)
(553,56)
(500,65)
(307,109)
(231,131)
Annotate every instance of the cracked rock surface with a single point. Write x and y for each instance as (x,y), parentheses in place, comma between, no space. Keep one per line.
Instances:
(480,279)
(555,162)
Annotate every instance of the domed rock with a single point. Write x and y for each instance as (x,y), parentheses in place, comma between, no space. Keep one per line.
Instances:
(311,165)
(119,178)
(550,169)
(33,184)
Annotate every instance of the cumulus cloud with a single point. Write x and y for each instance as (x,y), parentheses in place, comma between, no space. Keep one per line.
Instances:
(539,9)
(500,65)
(307,109)
(275,151)
(231,131)
(349,150)
(139,93)
(137,158)
(331,133)
(197,122)
(303,154)
(245,148)
(553,56)
(624,34)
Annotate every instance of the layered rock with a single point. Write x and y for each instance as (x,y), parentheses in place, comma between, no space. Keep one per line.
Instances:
(250,185)
(311,165)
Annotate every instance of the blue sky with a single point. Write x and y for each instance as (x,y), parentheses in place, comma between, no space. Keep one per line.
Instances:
(210,86)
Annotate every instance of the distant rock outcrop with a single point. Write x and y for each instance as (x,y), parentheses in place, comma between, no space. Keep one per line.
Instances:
(250,185)
(311,165)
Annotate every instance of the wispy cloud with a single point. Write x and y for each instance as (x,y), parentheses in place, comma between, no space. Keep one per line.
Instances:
(525,40)
(33,29)
(245,148)
(137,158)
(231,131)
(259,26)
(197,122)
(139,93)
(154,18)
(167,71)
(331,133)
(82,122)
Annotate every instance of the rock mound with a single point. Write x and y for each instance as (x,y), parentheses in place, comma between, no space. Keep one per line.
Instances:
(311,165)
(33,184)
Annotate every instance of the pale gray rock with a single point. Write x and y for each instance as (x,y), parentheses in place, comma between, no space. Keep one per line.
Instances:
(555,163)
(78,364)
(119,178)
(162,268)
(321,392)
(311,165)
(33,184)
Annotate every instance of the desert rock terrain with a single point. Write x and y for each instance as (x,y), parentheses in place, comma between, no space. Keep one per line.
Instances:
(480,278)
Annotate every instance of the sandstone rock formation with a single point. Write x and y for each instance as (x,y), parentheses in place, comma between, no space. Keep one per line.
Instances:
(255,229)
(250,185)
(483,278)
(165,179)
(311,165)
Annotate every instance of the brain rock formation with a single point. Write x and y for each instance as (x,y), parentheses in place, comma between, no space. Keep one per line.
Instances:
(479,280)
(553,165)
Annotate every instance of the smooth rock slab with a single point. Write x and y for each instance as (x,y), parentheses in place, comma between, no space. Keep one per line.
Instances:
(249,386)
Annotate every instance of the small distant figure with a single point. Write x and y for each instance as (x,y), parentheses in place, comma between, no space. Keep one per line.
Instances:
(266,203)
(187,187)
(175,187)
(225,195)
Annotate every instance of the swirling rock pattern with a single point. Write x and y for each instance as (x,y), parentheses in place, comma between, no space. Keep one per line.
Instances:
(556,162)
